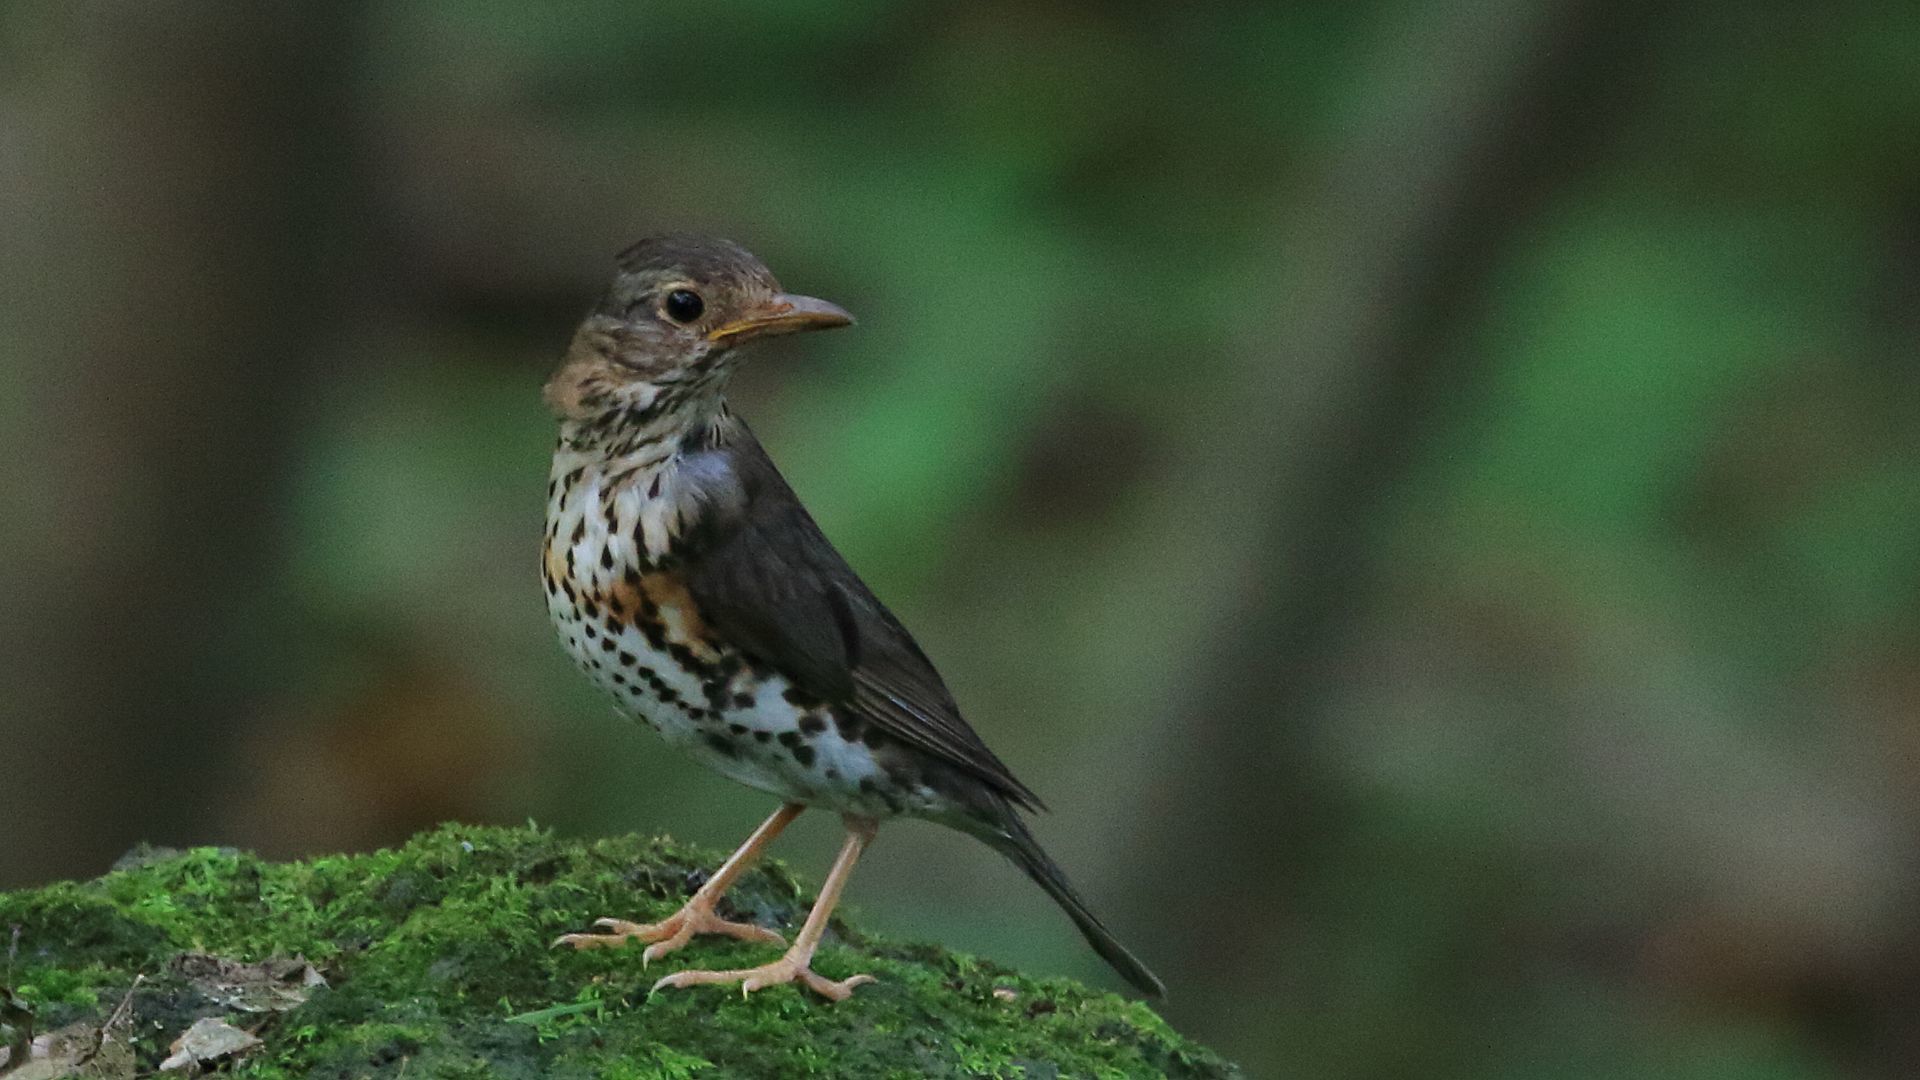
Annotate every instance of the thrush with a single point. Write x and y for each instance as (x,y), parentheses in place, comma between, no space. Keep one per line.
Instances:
(686,579)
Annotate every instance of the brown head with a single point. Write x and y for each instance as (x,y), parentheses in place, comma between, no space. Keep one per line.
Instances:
(663,339)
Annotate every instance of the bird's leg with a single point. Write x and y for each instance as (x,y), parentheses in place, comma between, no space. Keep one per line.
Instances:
(696,916)
(794,966)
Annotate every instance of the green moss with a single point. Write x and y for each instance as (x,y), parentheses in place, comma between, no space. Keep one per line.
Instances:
(438,962)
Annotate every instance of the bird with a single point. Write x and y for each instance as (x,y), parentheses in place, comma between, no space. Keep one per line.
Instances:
(686,579)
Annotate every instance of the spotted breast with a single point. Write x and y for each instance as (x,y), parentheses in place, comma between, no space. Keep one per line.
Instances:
(624,614)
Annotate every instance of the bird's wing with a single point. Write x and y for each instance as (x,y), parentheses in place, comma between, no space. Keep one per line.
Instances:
(770,582)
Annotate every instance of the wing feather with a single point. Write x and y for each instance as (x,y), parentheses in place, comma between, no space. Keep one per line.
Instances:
(768,580)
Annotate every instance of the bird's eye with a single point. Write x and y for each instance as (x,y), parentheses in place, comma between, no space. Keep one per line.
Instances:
(684,305)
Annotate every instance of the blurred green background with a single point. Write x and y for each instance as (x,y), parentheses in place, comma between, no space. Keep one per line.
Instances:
(1429,492)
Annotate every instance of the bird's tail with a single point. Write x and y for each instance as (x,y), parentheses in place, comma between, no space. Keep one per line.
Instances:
(1017,843)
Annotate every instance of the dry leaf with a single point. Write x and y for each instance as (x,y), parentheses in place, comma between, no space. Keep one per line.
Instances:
(84,1051)
(208,1040)
(77,1052)
(273,985)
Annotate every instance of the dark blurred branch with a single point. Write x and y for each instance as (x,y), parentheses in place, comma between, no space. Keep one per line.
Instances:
(1473,113)
(178,164)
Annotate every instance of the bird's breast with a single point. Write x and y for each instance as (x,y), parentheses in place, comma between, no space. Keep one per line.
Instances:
(631,624)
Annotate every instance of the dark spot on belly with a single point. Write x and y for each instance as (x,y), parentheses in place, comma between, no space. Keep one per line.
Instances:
(797,696)
(804,755)
(606,644)
(811,725)
(743,701)
(627,659)
(591,632)
(872,790)
(848,726)
(789,739)
(737,729)
(763,736)
(667,694)
(721,746)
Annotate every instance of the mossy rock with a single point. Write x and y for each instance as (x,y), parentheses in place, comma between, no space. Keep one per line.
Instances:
(437,964)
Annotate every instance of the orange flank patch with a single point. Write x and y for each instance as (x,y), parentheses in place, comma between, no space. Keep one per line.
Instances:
(662,599)
(682,620)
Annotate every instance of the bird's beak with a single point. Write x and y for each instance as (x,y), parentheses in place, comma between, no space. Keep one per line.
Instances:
(784,314)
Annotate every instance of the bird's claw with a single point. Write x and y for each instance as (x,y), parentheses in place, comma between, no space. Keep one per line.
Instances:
(784,970)
(667,935)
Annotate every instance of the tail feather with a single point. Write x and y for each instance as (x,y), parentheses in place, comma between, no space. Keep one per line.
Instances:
(1018,844)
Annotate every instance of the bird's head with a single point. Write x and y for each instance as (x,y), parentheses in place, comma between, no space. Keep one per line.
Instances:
(663,339)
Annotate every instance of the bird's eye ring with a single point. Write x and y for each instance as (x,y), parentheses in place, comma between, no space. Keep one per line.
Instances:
(683,305)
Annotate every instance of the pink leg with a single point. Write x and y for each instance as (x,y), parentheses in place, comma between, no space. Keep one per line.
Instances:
(795,965)
(697,915)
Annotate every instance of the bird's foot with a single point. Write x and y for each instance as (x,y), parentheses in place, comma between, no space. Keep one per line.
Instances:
(788,968)
(668,934)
